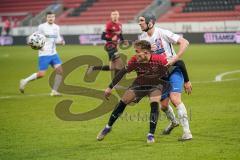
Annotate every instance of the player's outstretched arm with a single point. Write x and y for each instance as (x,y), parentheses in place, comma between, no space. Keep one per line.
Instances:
(183,44)
(118,77)
(115,80)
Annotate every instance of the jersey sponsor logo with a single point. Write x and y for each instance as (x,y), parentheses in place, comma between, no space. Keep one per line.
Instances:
(175,88)
(158,43)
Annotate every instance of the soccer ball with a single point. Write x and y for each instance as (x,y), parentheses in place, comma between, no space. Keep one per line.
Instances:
(36,41)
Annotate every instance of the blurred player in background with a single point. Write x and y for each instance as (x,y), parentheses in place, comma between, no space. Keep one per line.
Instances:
(112,35)
(150,69)
(161,42)
(48,54)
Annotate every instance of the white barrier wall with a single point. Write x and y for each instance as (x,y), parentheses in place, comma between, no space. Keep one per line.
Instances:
(133,28)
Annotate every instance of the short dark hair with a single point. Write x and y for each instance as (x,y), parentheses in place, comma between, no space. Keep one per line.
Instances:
(49,12)
(143,44)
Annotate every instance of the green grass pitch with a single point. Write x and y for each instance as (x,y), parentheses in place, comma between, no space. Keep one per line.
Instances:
(29,128)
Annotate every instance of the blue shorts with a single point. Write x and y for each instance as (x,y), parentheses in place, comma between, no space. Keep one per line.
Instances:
(176,80)
(45,61)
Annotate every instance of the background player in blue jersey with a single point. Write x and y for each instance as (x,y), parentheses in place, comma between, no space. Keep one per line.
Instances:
(48,54)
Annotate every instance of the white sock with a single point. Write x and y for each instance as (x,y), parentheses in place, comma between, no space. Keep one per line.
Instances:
(107,126)
(31,77)
(150,134)
(170,114)
(57,81)
(182,115)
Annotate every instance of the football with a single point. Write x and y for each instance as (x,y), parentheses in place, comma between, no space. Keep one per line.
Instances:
(36,41)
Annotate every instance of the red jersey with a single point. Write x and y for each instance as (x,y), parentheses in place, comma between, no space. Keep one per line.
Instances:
(150,72)
(7,24)
(113,29)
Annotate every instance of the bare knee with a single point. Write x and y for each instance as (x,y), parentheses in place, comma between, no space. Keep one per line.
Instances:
(125,100)
(154,99)
(128,97)
(164,104)
(117,64)
(59,70)
(175,99)
(155,96)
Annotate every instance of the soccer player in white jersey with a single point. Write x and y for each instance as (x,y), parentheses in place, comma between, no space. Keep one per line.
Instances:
(161,41)
(48,54)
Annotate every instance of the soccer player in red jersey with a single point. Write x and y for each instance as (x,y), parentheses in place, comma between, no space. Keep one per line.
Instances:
(150,69)
(112,35)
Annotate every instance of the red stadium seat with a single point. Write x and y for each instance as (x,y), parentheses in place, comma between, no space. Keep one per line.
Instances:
(8,8)
(99,12)
(194,10)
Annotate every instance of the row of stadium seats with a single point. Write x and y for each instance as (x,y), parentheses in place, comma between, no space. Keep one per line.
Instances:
(34,6)
(99,11)
(82,8)
(72,3)
(17,17)
(75,12)
(204,10)
(9,6)
(205,16)
(18,10)
(214,5)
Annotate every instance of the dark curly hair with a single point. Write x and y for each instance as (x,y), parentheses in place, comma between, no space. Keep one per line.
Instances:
(143,44)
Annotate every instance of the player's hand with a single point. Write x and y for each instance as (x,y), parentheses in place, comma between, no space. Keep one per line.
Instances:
(171,60)
(126,43)
(107,93)
(153,47)
(115,38)
(63,42)
(188,87)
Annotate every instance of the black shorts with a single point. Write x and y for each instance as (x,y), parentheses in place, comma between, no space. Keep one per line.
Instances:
(145,90)
(112,52)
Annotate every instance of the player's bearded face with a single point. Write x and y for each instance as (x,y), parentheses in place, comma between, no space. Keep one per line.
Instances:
(141,55)
(51,18)
(142,23)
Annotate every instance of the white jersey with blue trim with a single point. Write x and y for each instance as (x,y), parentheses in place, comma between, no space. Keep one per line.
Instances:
(52,34)
(162,40)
